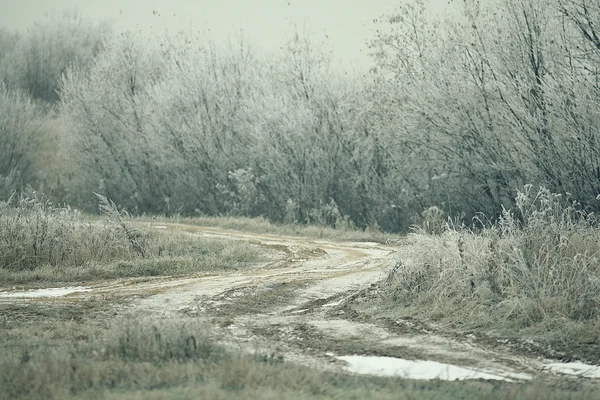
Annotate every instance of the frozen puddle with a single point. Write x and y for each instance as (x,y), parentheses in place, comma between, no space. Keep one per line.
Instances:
(420,369)
(50,292)
(574,368)
(159,227)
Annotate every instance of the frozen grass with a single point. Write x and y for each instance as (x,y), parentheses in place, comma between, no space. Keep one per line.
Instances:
(533,274)
(44,243)
(261,225)
(138,357)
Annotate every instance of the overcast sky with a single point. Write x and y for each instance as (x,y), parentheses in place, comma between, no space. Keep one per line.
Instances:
(345,24)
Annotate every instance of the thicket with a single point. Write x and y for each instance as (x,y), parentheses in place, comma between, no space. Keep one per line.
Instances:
(34,60)
(31,65)
(455,114)
(21,135)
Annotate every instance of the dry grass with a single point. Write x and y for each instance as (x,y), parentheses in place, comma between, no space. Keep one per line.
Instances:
(535,274)
(34,233)
(261,225)
(43,243)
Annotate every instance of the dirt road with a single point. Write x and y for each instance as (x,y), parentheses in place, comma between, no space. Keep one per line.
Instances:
(298,307)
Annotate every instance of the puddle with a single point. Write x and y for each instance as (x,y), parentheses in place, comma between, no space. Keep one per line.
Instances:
(574,368)
(49,292)
(159,227)
(421,369)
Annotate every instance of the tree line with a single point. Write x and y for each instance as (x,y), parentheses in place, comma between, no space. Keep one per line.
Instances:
(456,113)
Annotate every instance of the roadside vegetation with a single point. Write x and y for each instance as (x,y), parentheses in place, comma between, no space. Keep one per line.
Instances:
(532,275)
(42,243)
(262,225)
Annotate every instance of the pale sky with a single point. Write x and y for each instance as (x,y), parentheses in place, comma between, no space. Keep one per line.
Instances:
(344,24)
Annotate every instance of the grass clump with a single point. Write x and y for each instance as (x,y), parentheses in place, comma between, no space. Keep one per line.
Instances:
(132,354)
(41,242)
(35,233)
(535,271)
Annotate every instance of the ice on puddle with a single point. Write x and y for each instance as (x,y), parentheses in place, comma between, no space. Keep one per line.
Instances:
(574,368)
(49,292)
(421,369)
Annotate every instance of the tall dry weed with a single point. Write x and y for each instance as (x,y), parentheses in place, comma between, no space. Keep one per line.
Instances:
(539,263)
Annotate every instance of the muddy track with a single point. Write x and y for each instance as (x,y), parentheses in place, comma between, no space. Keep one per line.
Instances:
(298,307)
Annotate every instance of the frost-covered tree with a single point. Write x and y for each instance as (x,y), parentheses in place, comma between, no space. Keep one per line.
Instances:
(39,56)
(20,140)
(500,95)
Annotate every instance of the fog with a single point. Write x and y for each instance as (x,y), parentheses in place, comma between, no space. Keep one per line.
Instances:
(342,25)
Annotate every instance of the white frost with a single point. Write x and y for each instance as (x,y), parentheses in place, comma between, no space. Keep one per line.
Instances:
(50,292)
(419,369)
(574,368)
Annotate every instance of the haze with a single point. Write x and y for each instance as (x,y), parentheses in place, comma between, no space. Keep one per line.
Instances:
(344,25)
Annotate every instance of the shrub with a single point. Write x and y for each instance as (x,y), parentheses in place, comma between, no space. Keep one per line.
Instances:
(433,220)
(242,196)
